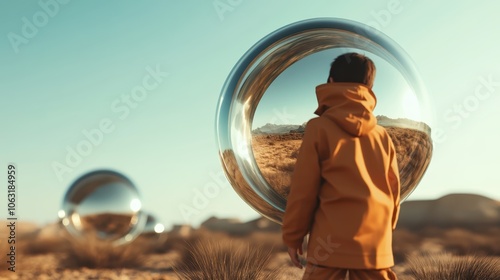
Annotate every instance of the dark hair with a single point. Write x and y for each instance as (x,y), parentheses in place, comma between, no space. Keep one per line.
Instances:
(353,68)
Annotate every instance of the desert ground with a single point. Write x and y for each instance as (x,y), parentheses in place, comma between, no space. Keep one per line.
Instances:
(275,155)
(424,248)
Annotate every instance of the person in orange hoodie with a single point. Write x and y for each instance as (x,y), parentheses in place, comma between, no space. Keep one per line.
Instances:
(345,189)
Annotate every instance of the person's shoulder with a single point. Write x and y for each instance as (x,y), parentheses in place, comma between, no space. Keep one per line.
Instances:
(312,123)
(382,132)
(317,123)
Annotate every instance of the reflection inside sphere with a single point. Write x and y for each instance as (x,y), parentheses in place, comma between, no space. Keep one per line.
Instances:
(283,111)
(103,205)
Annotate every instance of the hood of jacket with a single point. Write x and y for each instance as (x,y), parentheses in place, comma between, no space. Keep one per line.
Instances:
(349,105)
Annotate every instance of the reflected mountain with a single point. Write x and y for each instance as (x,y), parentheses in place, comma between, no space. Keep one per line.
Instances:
(270,128)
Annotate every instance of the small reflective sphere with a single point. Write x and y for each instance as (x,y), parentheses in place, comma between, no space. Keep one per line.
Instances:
(153,226)
(154,231)
(104,205)
(270,95)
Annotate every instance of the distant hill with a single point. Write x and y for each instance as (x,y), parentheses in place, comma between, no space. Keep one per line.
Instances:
(270,128)
(403,123)
(453,210)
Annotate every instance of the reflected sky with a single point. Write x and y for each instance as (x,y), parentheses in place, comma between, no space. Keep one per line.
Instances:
(114,198)
(291,98)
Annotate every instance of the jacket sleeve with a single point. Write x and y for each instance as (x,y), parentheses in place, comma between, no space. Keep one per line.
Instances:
(394,184)
(303,197)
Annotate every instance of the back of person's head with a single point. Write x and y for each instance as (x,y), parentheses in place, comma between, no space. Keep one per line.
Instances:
(352,68)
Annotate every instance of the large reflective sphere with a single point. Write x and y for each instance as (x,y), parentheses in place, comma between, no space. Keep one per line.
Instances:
(104,205)
(270,95)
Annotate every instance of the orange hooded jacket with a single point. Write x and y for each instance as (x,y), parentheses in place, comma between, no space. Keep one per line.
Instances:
(345,186)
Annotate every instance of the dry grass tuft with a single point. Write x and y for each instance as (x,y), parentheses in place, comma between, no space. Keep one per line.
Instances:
(94,253)
(207,258)
(445,266)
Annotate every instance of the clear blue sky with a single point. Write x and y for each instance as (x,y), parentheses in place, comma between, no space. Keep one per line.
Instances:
(291,98)
(75,71)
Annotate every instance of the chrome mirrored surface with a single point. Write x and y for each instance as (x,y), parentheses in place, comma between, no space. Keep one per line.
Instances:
(103,205)
(246,151)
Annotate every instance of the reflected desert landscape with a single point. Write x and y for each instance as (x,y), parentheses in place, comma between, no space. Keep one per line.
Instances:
(458,234)
(276,148)
(109,226)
